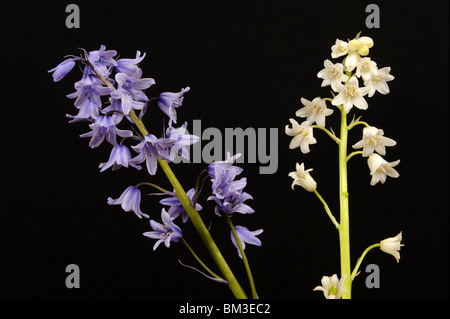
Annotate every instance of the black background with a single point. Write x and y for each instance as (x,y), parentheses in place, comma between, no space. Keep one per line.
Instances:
(248,63)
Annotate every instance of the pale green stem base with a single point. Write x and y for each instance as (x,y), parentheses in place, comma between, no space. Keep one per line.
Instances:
(344,227)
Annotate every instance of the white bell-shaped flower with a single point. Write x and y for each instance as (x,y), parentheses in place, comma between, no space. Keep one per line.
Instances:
(380,169)
(332,287)
(303,135)
(303,178)
(314,111)
(373,140)
(392,246)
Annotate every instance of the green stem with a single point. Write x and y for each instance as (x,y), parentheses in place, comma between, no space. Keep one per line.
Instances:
(360,259)
(344,228)
(357,123)
(154,186)
(203,232)
(200,261)
(244,258)
(330,134)
(327,209)
(353,154)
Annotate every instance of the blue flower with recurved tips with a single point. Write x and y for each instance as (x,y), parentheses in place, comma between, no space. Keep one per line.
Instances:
(169,101)
(176,208)
(166,232)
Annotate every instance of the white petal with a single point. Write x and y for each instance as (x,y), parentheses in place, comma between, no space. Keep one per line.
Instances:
(358,144)
(382,87)
(339,99)
(304,147)
(360,103)
(295,142)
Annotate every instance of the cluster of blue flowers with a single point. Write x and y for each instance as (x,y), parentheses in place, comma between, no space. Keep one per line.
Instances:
(109,91)
(123,94)
(229,196)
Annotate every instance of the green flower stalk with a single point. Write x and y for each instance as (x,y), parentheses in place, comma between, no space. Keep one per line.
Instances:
(344,223)
(344,79)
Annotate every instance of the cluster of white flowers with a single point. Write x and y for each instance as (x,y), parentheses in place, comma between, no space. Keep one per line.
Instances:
(374,79)
(353,79)
(374,141)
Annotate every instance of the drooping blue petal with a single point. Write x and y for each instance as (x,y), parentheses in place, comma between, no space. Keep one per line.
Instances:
(157,244)
(249,236)
(245,236)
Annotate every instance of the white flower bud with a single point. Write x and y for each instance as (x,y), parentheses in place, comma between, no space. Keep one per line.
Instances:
(363,50)
(353,45)
(366,41)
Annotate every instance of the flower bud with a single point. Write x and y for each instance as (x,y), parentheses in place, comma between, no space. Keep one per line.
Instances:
(366,41)
(353,45)
(363,50)
(62,69)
